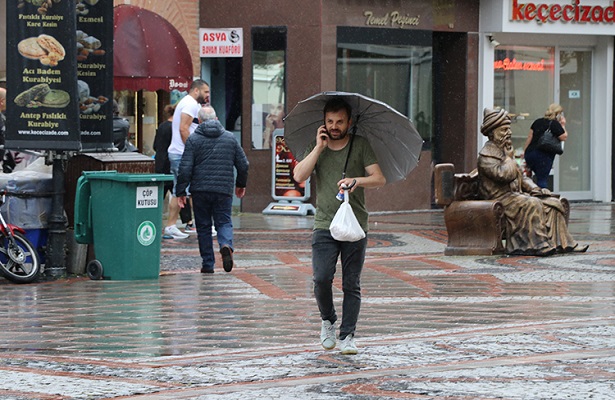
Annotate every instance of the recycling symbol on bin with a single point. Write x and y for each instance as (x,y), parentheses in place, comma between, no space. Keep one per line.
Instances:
(146,233)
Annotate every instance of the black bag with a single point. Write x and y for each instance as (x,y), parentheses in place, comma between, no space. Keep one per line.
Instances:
(549,143)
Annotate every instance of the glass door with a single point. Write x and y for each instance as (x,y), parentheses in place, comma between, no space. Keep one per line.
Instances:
(526,80)
(524,86)
(572,170)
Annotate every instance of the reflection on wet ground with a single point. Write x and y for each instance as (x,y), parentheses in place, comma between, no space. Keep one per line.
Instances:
(431,326)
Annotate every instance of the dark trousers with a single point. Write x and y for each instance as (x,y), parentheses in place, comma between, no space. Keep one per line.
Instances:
(325,252)
(540,163)
(214,207)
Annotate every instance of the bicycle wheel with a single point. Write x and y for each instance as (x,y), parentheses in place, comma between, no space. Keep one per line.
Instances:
(19,262)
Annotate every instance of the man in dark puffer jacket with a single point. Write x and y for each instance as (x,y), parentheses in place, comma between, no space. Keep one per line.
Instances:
(207,165)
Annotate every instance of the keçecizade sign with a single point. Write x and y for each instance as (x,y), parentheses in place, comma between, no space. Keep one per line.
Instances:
(574,12)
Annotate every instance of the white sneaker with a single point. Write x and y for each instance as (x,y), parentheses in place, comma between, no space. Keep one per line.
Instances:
(348,345)
(174,232)
(214,233)
(327,335)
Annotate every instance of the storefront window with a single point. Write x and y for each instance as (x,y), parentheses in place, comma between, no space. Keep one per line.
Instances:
(527,80)
(268,84)
(524,82)
(389,65)
(575,81)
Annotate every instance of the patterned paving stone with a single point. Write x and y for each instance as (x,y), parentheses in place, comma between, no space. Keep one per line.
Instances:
(431,327)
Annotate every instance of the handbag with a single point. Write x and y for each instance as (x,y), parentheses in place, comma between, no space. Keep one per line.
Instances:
(549,143)
(345,227)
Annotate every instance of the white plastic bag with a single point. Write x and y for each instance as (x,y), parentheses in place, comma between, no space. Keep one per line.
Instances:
(345,226)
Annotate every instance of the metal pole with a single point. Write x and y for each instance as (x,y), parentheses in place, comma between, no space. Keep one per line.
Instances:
(55,265)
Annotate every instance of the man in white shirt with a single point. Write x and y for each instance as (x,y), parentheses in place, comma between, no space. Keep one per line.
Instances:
(185,121)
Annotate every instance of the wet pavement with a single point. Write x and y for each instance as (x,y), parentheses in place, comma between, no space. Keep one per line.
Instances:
(431,327)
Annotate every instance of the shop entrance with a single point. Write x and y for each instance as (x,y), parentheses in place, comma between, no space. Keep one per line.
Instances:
(526,80)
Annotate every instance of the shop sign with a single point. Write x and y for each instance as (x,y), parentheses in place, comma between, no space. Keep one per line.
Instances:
(226,42)
(576,12)
(95,73)
(178,85)
(393,19)
(42,105)
(514,65)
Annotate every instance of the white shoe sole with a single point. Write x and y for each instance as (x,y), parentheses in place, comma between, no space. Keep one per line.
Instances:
(177,236)
(324,346)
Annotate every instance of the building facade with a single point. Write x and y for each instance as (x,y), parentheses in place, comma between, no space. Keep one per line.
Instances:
(140,105)
(421,57)
(534,53)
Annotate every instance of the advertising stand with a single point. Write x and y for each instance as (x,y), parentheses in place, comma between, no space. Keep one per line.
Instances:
(59,86)
(290,196)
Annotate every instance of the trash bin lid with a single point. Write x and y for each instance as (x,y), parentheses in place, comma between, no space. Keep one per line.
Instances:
(126,177)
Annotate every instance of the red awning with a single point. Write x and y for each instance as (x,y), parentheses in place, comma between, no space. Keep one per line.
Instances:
(149,53)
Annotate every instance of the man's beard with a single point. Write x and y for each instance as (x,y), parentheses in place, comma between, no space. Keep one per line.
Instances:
(504,143)
(201,100)
(340,137)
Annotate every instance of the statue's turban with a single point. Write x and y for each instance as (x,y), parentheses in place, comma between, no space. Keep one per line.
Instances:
(493,119)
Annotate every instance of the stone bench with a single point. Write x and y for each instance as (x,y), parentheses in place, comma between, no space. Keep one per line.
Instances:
(474,226)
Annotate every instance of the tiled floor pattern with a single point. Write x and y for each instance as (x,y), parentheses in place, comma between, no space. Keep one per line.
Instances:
(431,327)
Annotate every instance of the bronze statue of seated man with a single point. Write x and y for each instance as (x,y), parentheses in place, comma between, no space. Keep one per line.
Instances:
(535,219)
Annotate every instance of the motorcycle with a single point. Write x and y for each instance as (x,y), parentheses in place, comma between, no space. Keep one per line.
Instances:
(19,260)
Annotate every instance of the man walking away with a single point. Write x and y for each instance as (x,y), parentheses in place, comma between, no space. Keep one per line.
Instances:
(207,165)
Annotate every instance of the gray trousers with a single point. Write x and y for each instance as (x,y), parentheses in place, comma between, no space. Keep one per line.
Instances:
(325,252)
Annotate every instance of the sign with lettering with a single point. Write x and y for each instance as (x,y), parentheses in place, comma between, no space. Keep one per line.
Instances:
(393,19)
(94,45)
(576,11)
(42,101)
(225,42)
(147,197)
(516,65)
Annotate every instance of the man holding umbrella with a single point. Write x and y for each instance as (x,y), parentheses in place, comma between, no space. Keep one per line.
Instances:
(338,159)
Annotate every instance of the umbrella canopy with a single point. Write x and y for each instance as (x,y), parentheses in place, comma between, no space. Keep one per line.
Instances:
(393,137)
(149,53)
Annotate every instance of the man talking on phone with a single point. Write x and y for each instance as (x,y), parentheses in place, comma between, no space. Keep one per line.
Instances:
(326,158)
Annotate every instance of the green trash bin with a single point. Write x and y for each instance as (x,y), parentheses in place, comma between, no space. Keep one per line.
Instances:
(121,214)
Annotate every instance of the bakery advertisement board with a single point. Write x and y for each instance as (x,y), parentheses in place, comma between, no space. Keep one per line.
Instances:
(42,105)
(285,187)
(94,37)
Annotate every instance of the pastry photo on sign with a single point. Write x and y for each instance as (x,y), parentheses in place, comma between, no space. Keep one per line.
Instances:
(89,104)
(43,5)
(87,45)
(82,6)
(44,48)
(42,95)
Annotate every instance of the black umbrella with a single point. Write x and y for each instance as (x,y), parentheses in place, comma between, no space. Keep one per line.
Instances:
(392,135)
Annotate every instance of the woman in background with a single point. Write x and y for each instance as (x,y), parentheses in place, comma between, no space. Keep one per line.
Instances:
(541,162)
